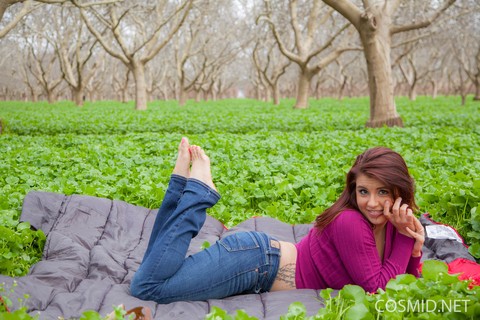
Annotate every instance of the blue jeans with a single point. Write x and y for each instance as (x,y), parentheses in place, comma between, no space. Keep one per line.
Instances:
(244,262)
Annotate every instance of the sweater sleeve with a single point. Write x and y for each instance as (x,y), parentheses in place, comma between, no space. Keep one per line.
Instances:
(355,244)
(413,266)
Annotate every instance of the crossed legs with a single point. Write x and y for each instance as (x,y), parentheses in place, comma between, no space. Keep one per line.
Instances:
(183,211)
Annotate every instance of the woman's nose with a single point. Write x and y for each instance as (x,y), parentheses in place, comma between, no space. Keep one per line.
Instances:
(372,201)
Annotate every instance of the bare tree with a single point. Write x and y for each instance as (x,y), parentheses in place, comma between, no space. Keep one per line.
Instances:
(374,23)
(342,78)
(136,34)
(75,48)
(416,66)
(187,48)
(271,65)
(304,52)
(467,53)
(28,6)
(43,64)
(305,48)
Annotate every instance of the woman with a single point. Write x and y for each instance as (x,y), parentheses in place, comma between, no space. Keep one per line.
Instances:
(366,238)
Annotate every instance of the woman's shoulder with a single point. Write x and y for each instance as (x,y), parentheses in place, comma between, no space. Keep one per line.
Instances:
(350,219)
(350,214)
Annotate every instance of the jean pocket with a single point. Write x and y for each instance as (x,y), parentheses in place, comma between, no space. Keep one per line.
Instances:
(239,242)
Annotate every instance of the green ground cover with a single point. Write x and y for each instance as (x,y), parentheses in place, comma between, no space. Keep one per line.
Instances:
(266,160)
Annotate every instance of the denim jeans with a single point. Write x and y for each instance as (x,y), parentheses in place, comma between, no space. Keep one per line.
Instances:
(244,262)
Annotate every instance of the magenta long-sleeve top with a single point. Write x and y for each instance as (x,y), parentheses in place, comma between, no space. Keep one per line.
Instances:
(345,253)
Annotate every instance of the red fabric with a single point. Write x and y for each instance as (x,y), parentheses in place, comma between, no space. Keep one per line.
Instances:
(469,270)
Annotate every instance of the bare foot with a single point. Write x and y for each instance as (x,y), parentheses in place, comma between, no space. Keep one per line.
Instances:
(182,166)
(201,166)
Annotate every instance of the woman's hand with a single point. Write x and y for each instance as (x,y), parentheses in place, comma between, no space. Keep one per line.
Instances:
(419,235)
(401,216)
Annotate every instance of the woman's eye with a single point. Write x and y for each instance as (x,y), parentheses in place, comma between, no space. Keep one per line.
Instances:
(383,192)
(362,191)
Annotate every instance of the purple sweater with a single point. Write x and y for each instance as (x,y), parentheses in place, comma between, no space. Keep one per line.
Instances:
(345,253)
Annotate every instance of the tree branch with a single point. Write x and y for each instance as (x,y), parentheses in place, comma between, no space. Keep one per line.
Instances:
(102,41)
(329,42)
(28,7)
(186,6)
(425,23)
(347,9)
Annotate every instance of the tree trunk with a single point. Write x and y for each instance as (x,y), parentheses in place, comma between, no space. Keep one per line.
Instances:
(78,96)
(434,89)
(138,70)
(342,89)
(267,94)
(199,96)
(303,92)
(258,93)
(276,95)
(477,90)
(376,40)
(182,96)
(412,92)
(50,97)
(34,96)
(124,95)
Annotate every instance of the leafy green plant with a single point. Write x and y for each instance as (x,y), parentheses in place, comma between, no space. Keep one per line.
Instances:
(474,249)
(19,246)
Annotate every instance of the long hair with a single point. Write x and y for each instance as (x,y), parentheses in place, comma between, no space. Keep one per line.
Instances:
(382,164)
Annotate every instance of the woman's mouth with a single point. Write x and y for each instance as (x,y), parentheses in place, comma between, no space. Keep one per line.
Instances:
(375,213)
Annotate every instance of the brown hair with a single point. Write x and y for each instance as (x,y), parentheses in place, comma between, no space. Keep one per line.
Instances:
(382,164)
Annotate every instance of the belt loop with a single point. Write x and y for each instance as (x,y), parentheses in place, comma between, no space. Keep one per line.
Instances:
(275,244)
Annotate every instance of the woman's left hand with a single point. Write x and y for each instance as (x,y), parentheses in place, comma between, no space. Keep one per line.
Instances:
(419,236)
(401,216)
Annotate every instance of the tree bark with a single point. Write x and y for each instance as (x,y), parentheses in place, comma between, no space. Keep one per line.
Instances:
(276,95)
(182,96)
(376,40)
(78,93)
(434,88)
(138,70)
(50,96)
(412,92)
(477,90)
(476,77)
(303,92)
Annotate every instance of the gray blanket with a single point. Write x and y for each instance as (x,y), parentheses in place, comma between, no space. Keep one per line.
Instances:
(94,246)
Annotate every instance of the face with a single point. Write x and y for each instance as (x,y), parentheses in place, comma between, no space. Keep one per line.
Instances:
(371,196)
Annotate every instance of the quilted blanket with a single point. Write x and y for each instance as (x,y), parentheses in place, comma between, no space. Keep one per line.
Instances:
(95,245)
